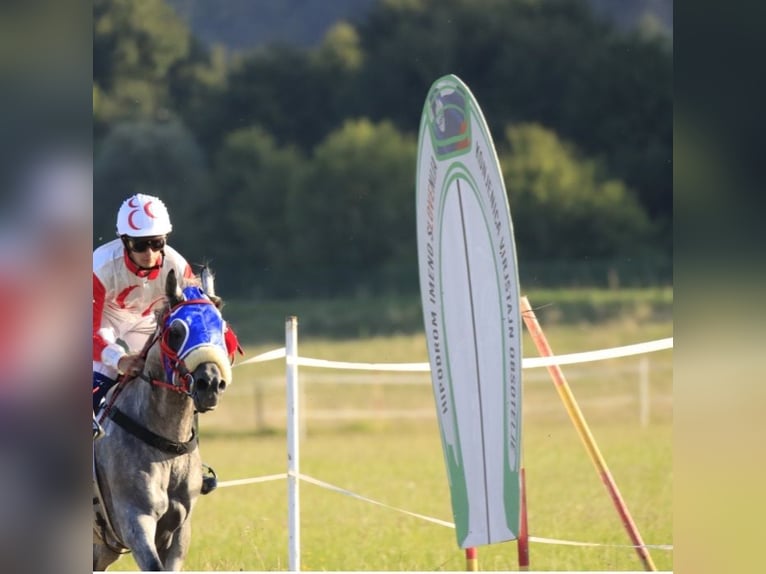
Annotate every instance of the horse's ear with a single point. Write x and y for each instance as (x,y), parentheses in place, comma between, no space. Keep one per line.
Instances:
(217,301)
(172,290)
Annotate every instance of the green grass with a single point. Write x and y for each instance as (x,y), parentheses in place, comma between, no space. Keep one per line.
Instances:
(399,462)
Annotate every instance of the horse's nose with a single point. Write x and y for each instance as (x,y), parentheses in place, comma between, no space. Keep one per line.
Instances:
(208,379)
(217,385)
(210,382)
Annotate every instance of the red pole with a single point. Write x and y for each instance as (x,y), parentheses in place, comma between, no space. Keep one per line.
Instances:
(578,419)
(471,559)
(523,541)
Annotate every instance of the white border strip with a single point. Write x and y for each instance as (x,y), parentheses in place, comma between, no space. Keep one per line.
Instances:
(527,363)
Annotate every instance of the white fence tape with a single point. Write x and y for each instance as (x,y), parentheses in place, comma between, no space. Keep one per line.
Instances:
(243,481)
(574,543)
(527,363)
(263,357)
(345,492)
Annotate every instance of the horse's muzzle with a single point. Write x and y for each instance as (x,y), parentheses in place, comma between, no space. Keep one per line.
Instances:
(207,386)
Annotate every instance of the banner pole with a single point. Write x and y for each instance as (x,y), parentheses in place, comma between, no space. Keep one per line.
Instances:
(471,559)
(562,387)
(293,447)
(523,540)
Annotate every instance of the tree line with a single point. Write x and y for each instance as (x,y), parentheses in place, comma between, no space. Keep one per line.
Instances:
(291,169)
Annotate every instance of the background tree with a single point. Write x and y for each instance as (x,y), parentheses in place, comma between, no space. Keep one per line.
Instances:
(282,90)
(353,221)
(566,208)
(253,181)
(135,44)
(195,82)
(300,136)
(553,63)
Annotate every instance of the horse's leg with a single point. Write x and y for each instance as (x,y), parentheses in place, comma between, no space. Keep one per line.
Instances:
(103,556)
(179,546)
(139,537)
(170,534)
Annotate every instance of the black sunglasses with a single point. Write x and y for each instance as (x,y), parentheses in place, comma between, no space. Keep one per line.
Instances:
(141,245)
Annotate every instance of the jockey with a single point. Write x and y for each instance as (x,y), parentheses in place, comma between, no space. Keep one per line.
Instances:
(128,286)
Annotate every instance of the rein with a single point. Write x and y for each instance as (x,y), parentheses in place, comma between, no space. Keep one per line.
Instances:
(150,438)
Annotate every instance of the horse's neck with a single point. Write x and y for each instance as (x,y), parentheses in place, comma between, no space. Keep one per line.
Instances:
(159,409)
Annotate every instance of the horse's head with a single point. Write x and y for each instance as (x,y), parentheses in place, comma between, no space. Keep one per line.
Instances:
(192,344)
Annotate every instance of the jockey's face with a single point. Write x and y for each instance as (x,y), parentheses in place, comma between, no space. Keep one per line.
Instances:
(146,251)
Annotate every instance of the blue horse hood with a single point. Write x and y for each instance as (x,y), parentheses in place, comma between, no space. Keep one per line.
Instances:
(204,333)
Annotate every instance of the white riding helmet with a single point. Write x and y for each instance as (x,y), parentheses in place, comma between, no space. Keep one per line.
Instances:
(143,216)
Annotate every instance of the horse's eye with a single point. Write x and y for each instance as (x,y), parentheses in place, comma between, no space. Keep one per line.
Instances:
(177,332)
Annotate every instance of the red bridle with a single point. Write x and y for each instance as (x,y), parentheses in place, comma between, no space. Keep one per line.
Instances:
(177,364)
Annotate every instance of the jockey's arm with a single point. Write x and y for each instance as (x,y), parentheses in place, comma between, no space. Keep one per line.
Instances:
(105,347)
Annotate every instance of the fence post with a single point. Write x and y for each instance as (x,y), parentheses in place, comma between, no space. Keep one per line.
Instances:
(643,391)
(293,447)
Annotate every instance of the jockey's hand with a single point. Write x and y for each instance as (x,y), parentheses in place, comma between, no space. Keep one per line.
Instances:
(131,364)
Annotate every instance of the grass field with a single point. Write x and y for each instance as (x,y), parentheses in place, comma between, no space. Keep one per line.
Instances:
(375,434)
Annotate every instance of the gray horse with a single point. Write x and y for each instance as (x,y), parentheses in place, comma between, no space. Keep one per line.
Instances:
(147,464)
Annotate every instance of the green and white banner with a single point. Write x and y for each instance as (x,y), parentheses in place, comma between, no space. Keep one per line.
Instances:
(470,294)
